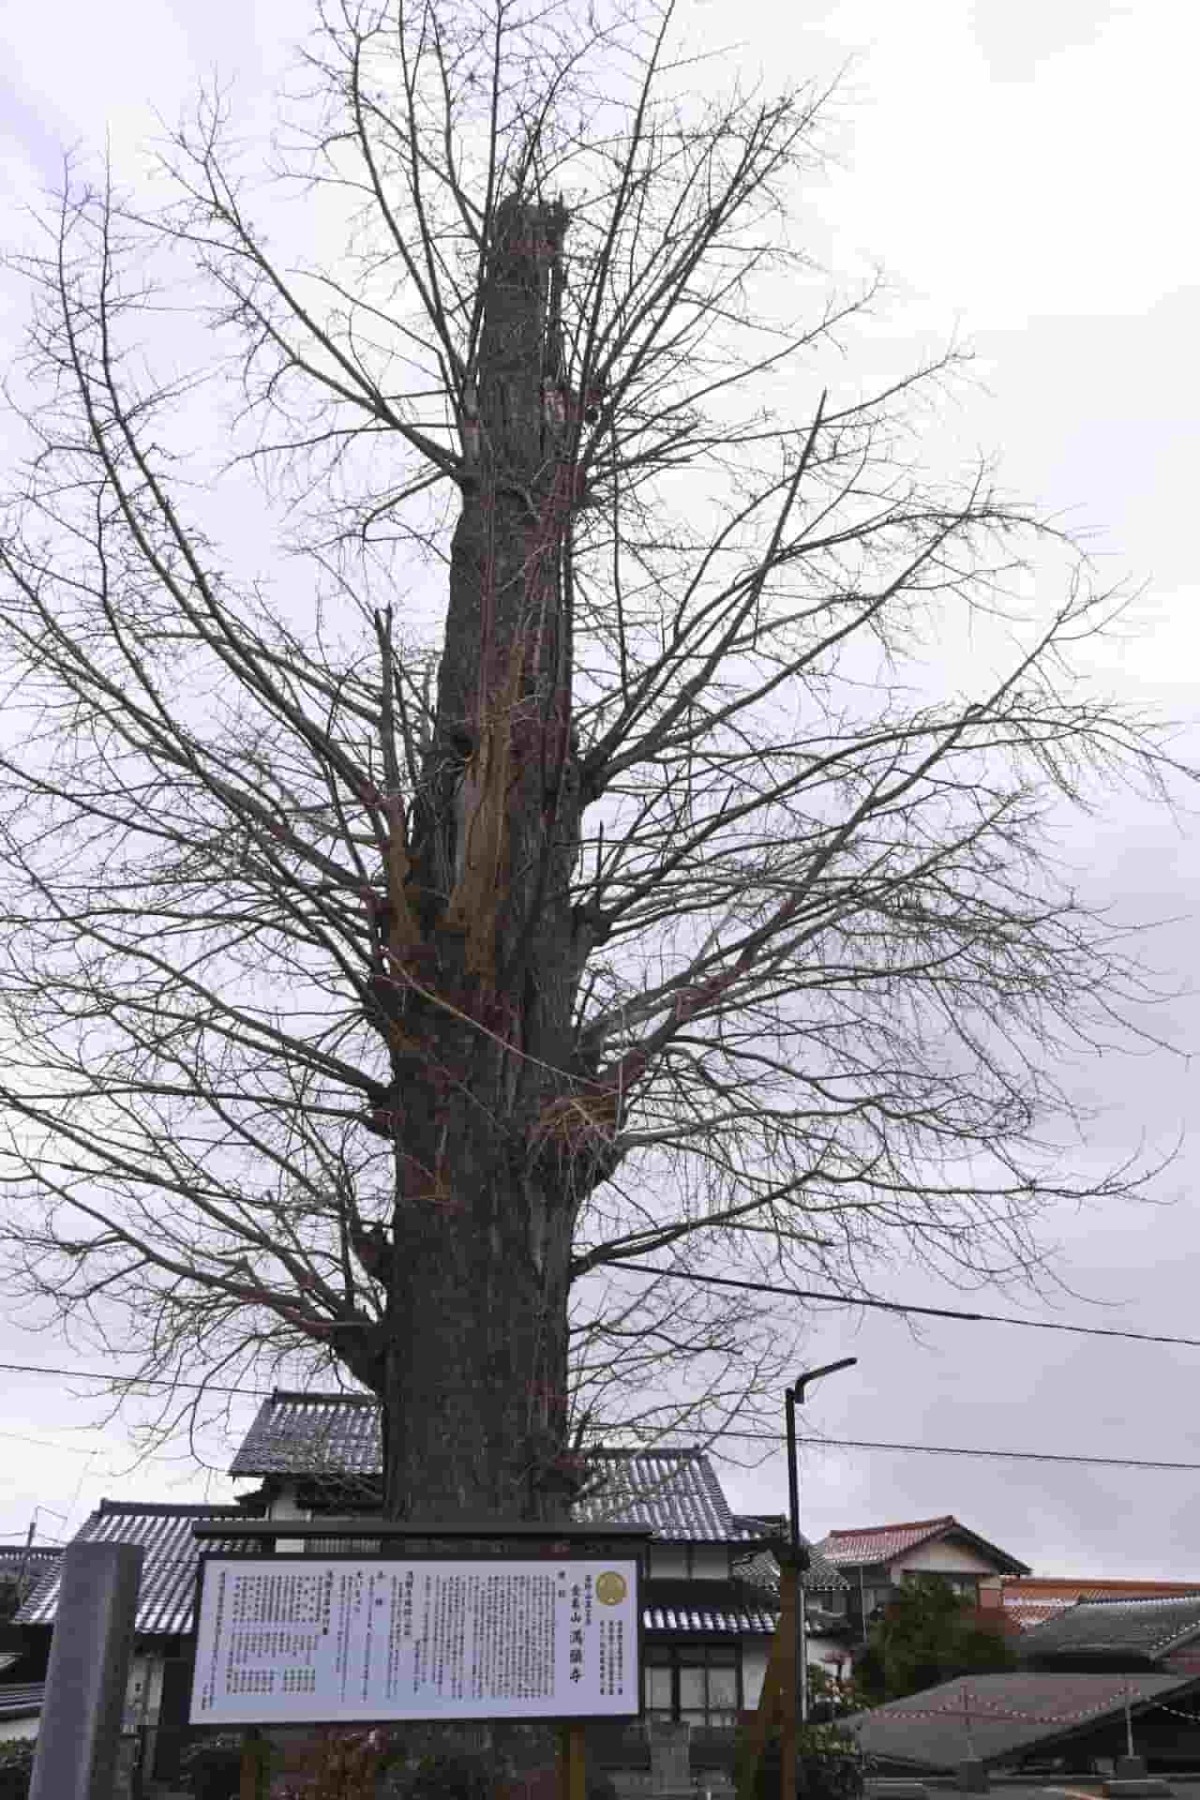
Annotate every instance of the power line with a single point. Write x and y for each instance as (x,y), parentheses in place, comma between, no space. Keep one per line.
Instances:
(134,1381)
(49,1444)
(1042,1456)
(898,1306)
(728,1281)
(1107,1462)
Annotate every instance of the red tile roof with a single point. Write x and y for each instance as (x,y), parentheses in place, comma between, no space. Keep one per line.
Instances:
(879,1543)
(883,1543)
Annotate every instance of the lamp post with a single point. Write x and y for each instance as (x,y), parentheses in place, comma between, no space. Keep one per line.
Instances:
(793,1397)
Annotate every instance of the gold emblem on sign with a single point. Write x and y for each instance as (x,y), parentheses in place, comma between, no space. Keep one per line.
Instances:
(611,1588)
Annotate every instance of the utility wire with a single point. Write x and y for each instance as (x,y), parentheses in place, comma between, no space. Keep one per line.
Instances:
(1043,1456)
(133,1381)
(1107,1462)
(897,1306)
(728,1281)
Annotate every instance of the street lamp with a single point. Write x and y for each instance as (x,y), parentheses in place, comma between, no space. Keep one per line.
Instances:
(793,1397)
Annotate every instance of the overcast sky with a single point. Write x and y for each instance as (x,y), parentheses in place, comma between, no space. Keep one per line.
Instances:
(1025,174)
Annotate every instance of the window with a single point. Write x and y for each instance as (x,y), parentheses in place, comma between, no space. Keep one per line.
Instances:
(693,1562)
(966,1585)
(700,1684)
(659,1686)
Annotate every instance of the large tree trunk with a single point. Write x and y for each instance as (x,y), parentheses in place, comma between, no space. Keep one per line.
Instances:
(481,958)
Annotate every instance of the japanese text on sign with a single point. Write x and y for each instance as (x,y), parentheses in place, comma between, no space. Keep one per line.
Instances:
(308,1638)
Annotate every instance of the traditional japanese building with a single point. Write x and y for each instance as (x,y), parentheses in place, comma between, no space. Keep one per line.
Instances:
(710,1597)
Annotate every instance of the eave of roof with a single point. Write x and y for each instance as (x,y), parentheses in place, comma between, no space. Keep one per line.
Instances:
(167,1597)
(709,1621)
(21,1700)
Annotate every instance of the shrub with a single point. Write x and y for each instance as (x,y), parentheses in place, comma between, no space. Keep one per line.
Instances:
(211,1767)
(16,1767)
(452,1776)
(829,1766)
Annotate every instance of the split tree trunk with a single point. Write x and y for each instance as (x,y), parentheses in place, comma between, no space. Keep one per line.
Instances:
(479,954)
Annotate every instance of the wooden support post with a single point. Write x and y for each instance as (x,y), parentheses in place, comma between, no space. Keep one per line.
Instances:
(253,1782)
(572,1767)
(789,1674)
(777,1702)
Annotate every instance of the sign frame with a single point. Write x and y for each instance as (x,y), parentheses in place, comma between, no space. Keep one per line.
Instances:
(634,1554)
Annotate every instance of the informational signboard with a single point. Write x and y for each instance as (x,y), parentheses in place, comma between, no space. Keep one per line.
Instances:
(308,1639)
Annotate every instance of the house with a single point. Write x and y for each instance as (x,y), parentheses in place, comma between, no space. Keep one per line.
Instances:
(829,1632)
(1160,1631)
(1095,1674)
(22,1666)
(159,1678)
(1029,1600)
(875,1560)
(25,1562)
(710,1596)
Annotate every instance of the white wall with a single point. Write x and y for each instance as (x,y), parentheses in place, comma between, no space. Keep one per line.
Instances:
(942,1559)
(754,1667)
(284,1505)
(668,1561)
(829,1652)
(710,1562)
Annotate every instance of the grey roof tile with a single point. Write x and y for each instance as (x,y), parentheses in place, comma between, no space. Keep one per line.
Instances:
(166,1600)
(21,1700)
(709,1621)
(28,1559)
(1143,1626)
(760,1565)
(312,1434)
(673,1492)
(168,1583)
(1008,1714)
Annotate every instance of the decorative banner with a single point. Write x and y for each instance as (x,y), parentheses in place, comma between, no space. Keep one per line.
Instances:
(307,1639)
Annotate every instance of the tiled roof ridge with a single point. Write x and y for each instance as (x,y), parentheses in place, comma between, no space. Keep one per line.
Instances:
(903,1525)
(323,1397)
(680,1450)
(1166,1589)
(171,1509)
(1137,1599)
(327,1397)
(716,1494)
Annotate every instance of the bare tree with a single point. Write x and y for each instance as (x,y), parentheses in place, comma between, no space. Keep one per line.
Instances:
(574,849)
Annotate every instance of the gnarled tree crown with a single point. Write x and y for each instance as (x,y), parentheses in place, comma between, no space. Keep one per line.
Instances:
(614,828)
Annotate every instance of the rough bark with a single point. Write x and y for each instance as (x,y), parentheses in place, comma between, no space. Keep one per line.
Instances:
(477,957)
